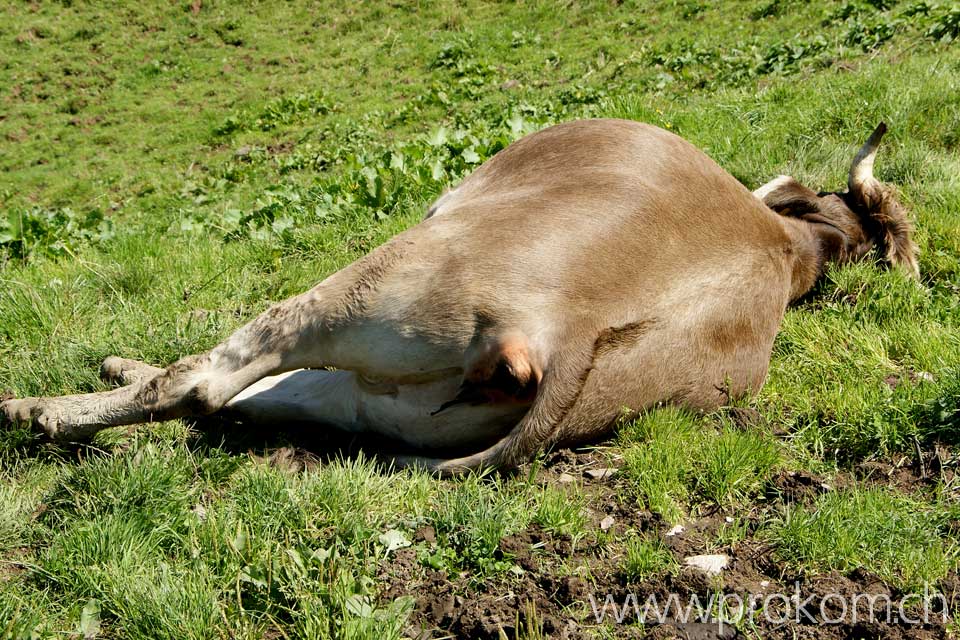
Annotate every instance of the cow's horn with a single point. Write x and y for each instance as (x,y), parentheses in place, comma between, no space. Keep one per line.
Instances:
(861,171)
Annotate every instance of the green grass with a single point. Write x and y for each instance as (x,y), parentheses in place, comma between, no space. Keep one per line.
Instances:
(166,175)
(897,538)
(672,456)
(560,512)
(645,558)
(470,519)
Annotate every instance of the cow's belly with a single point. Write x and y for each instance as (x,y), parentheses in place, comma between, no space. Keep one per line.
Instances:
(404,412)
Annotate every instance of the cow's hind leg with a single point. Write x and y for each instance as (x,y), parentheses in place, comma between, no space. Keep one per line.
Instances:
(196,385)
(323,327)
(278,340)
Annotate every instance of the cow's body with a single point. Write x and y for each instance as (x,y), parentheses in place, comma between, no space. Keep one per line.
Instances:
(663,320)
(589,268)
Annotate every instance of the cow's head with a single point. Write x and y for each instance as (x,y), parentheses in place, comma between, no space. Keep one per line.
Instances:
(855,222)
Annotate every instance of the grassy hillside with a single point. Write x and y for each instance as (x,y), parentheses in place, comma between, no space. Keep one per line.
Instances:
(167,173)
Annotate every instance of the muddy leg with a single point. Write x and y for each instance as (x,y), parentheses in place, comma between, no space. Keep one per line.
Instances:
(123,371)
(330,325)
(278,340)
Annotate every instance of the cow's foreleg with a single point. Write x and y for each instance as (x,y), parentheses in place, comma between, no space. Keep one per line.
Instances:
(559,391)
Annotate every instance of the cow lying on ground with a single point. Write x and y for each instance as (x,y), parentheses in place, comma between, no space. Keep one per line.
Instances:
(589,267)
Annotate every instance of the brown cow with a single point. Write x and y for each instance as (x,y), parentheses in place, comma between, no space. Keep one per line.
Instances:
(589,267)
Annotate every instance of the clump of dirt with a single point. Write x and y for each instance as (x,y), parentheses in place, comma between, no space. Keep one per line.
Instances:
(453,606)
(797,486)
(925,468)
(283,147)
(500,608)
(401,573)
(525,545)
(835,606)
(692,631)
(899,474)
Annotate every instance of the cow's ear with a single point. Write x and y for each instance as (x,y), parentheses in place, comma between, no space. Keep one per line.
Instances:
(788,197)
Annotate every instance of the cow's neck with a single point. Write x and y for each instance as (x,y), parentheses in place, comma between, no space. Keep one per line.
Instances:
(815,245)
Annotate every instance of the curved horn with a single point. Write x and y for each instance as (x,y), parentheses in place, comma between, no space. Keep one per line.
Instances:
(861,171)
(884,218)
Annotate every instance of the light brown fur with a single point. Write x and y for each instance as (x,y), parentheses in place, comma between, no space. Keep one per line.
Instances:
(593,266)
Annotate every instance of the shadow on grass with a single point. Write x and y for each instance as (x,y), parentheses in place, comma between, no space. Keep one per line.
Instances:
(935,422)
(306,445)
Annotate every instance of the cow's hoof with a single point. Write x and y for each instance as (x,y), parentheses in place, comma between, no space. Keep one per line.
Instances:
(31,411)
(111,369)
(124,371)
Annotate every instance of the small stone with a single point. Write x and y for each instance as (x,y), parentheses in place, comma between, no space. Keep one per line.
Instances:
(764,583)
(925,376)
(728,520)
(710,564)
(601,474)
(200,511)
(675,530)
(565,478)
(606,523)
(425,534)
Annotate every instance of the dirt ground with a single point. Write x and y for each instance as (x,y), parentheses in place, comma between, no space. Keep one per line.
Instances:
(563,584)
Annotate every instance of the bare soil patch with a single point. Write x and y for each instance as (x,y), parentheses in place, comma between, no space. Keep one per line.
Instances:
(560,585)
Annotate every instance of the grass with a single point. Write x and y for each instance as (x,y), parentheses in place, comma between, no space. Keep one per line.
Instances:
(672,456)
(166,174)
(560,512)
(899,538)
(645,558)
(470,519)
